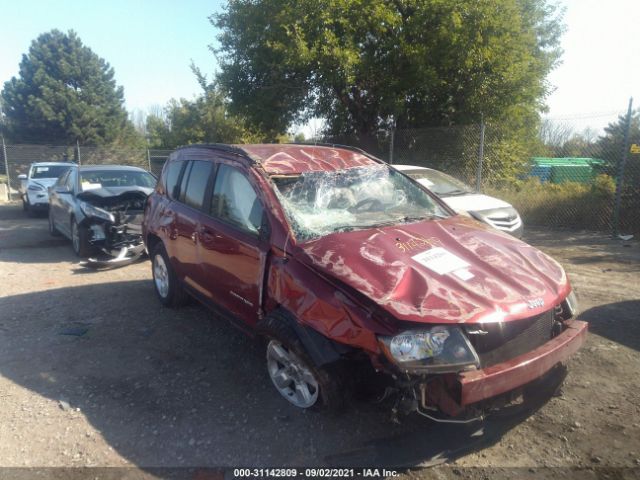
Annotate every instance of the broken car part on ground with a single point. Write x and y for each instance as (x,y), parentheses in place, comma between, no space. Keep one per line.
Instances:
(353,270)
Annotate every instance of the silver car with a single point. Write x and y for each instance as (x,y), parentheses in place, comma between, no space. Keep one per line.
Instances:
(462,199)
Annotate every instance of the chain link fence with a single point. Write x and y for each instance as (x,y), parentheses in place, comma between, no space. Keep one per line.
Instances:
(16,159)
(564,179)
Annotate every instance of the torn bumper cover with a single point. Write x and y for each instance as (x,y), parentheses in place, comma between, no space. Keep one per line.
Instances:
(114,224)
(479,385)
(473,392)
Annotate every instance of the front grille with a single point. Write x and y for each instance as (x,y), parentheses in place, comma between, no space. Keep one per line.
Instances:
(506,340)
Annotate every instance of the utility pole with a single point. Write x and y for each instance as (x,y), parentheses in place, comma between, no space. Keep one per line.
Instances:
(6,168)
(620,176)
(480,156)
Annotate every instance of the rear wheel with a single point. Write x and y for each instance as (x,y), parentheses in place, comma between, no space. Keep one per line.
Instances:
(165,282)
(80,239)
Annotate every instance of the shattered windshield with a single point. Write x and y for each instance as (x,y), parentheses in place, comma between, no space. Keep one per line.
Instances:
(320,203)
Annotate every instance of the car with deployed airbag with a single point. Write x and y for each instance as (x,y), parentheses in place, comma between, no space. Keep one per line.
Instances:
(355,273)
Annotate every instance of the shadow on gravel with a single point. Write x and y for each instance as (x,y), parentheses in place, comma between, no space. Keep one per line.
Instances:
(181,388)
(616,321)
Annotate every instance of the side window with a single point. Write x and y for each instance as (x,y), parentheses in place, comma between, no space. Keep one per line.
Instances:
(185,179)
(234,200)
(197,184)
(171,178)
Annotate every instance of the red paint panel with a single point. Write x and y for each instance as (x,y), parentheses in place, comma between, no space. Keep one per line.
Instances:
(503,377)
(285,159)
(507,274)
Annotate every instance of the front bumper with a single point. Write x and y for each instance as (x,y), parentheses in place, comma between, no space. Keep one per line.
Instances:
(37,199)
(478,385)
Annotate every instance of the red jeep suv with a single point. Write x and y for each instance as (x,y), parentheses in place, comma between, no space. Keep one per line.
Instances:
(339,260)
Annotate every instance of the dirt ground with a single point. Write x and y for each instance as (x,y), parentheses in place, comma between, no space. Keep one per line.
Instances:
(94,372)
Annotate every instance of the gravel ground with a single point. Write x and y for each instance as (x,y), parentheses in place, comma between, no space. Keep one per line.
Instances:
(94,372)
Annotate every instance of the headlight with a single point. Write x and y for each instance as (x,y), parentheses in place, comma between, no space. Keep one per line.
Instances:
(36,188)
(571,303)
(438,349)
(91,211)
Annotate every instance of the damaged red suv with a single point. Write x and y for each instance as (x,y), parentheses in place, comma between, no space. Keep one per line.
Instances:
(352,270)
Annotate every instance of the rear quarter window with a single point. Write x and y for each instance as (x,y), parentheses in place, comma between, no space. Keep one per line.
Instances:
(172,175)
(196,187)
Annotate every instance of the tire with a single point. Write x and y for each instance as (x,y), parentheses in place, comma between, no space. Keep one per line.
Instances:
(165,282)
(80,240)
(53,231)
(290,369)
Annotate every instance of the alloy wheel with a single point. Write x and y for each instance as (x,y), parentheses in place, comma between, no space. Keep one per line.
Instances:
(161,275)
(291,376)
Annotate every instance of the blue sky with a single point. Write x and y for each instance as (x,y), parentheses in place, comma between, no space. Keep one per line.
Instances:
(150,44)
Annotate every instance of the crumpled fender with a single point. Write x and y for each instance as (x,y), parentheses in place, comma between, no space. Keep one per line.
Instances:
(318,304)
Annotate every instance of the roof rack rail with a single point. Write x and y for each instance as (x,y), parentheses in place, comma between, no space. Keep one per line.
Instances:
(216,146)
(338,145)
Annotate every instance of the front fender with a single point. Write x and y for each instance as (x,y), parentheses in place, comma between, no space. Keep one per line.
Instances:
(319,305)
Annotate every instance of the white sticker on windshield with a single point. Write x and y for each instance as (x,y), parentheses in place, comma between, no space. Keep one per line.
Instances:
(463,274)
(440,260)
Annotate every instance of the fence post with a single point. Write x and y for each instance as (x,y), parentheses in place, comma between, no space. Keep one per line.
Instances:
(78,152)
(6,169)
(480,156)
(620,176)
(149,159)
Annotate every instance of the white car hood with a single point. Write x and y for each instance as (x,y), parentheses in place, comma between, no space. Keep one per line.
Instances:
(474,202)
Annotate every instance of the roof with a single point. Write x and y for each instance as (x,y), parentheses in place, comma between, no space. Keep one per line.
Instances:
(286,159)
(85,168)
(52,164)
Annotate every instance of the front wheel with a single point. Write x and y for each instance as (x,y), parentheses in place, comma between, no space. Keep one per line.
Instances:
(80,240)
(53,231)
(294,374)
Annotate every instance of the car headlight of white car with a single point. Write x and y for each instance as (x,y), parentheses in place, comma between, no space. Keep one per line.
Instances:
(91,211)
(34,187)
(440,348)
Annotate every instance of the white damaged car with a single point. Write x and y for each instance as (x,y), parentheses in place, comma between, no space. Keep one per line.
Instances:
(464,200)
(34,185)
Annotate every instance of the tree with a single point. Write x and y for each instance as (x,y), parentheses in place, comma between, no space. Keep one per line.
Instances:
(363,65)
(611,144)
(204,119)
(65,93)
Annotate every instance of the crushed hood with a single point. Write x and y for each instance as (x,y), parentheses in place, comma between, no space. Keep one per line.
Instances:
(442,271)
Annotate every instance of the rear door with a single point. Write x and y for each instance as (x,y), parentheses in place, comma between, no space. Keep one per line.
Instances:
(232,246)
(182,240)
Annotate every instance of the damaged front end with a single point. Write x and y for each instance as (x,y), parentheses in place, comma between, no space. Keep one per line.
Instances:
(114,225)
(460,374)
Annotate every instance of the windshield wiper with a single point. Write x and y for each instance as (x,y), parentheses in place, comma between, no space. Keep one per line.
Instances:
(349,228)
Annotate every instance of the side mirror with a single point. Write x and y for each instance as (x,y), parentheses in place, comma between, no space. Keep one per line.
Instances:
(22,176)
(62,190)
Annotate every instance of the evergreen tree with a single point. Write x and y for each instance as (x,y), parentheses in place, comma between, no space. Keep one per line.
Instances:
(65,93)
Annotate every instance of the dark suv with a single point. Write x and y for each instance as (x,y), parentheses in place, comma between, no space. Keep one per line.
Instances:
(345,265)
